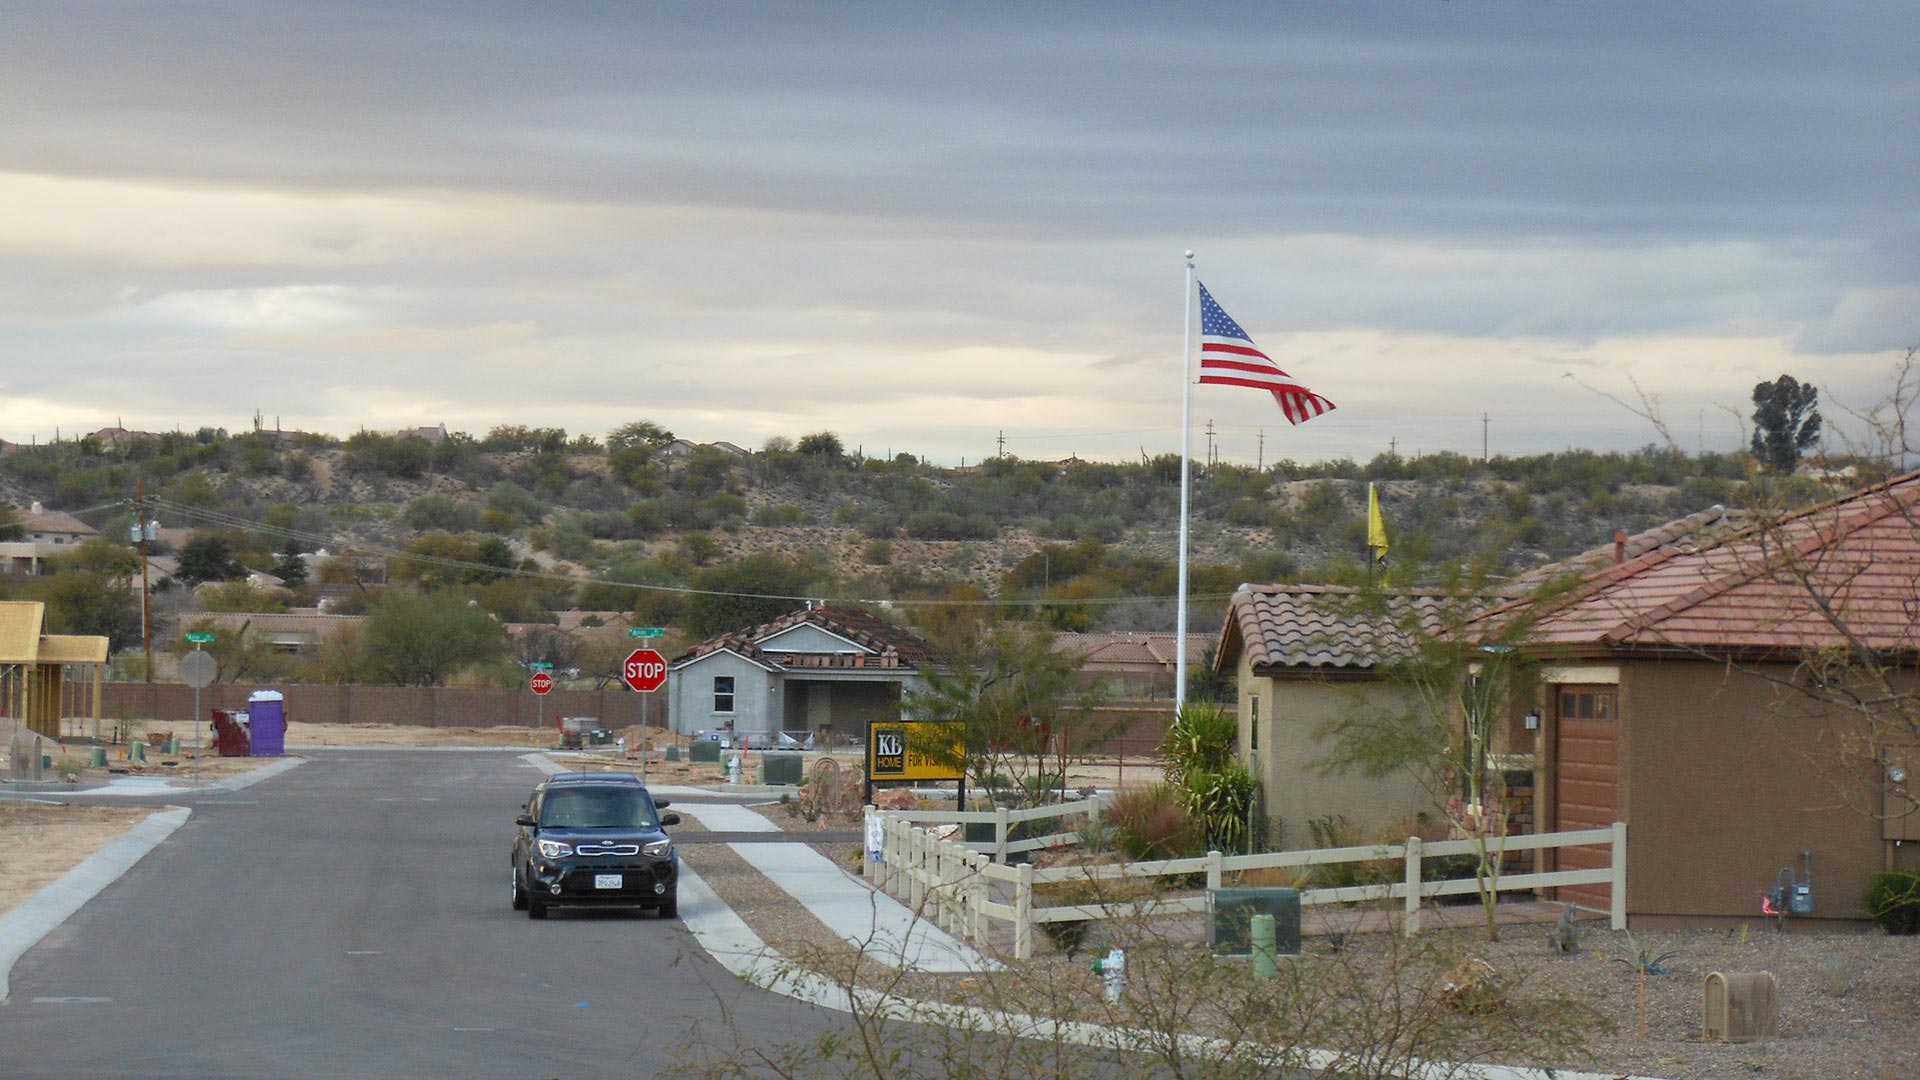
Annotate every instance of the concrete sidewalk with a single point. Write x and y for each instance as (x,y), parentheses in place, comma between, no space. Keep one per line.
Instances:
(858,913)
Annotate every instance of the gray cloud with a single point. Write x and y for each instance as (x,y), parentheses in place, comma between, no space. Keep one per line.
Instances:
(901,221)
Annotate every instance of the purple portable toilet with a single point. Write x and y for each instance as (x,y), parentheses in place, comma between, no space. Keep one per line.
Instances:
(269,723)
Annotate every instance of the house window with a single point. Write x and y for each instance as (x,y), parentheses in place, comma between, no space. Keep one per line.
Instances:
(723,693)
(1253,722)
(1586,705)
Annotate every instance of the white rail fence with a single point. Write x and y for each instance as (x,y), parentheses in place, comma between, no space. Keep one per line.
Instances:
(953,882)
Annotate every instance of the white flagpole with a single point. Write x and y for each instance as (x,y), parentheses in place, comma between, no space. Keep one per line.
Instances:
(1186,440)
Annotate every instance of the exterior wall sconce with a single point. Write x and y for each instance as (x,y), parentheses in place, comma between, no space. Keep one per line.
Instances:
(1533,720)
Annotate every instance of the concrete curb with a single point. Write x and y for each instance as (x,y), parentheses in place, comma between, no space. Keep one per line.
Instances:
(253,776)
(40,914)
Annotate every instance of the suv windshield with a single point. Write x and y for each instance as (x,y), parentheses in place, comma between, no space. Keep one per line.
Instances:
(587,808)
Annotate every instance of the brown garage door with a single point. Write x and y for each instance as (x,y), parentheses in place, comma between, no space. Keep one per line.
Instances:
(1586,794)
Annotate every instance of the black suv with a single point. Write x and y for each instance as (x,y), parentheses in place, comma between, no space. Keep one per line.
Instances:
(594,839)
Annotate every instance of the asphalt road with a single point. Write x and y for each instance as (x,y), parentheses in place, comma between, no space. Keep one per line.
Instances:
(349,919)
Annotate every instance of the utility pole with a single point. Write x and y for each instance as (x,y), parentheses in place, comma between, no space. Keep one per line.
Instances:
(1393,446)
(1260,458)
(1002,441)
(1484,420)
(140,532)
(1209,444)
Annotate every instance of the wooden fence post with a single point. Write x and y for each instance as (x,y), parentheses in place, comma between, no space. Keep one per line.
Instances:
(1000,827)
(1023,914)
(1411,923)
(868,869)
(917,877)
(1618,901)
(1214,876)
(979,926)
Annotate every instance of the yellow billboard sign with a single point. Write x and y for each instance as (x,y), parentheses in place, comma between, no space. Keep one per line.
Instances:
(915,750)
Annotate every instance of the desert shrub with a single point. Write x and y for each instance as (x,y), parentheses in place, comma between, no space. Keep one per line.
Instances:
(1893,901)
(1153,823)
(877,553)
(780,514)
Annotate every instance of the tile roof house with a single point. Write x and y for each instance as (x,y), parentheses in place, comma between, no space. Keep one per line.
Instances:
(48,533)
(297,631)
(829,667)
(1304,655)
(1691,693)
(1139,664)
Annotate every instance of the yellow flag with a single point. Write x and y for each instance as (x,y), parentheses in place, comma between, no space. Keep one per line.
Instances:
(1376,525)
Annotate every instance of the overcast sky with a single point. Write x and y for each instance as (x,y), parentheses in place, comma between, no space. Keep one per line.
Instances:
(920,228)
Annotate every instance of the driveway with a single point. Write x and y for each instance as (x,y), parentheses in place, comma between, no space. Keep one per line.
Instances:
(350,919)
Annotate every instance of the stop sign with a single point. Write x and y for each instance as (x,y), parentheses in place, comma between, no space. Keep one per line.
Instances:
(645,670)
(541,682)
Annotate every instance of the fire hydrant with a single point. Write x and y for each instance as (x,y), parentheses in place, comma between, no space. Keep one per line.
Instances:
(733,769)
(1112,970)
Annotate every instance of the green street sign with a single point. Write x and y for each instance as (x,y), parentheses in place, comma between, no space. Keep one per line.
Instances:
(646,631)
(199,639)
(540,665)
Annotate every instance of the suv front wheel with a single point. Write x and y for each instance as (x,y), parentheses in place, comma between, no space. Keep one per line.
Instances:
(519,894)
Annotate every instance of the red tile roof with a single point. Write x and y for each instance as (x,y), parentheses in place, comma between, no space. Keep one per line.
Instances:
(1138,647)
(1690,533)
(895,645)
(1811,580)
(1323,627)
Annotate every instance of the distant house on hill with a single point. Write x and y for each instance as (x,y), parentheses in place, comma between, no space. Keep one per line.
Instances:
(48,533)
(433,433)
(829,668)
(729,448)
(678,450)
(117,438)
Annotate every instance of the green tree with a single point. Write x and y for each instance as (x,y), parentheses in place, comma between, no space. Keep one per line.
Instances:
(419,639)
(1014,696)
(746,592)
(1786,422)
(290,567)
(11,525)
(1460,679)
(823,444)
(208,557)
(88,602)
(240,596)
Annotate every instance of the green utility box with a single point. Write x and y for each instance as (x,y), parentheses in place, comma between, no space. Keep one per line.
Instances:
(1230,915)
(673,753)
(782,767)
(704,750)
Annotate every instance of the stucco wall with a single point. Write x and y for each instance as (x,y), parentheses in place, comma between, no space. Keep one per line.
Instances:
(1719,794)
(756,698)
(1295,792)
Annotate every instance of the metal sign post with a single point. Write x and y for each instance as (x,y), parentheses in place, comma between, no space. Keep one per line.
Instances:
(198,669)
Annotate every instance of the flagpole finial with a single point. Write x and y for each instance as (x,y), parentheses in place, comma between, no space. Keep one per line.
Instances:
(1189,257)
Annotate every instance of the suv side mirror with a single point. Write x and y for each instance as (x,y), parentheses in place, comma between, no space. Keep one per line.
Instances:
(525,821)
(661,804)
(669,819)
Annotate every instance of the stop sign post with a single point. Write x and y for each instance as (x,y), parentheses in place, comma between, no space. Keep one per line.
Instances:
(645,671)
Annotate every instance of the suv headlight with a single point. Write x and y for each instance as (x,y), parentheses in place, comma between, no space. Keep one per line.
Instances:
(554,849)
(659,849)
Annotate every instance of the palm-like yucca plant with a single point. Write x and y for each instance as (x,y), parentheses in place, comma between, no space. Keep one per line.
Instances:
(1200,747)
(1644,962)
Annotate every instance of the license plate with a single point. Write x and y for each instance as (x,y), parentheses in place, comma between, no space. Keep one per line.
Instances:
(606,881)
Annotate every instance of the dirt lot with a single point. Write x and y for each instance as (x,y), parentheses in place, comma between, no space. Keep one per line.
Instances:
(304,734)
(39,842)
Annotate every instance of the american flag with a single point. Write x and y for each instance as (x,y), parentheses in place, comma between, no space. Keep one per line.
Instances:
(1228,357)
